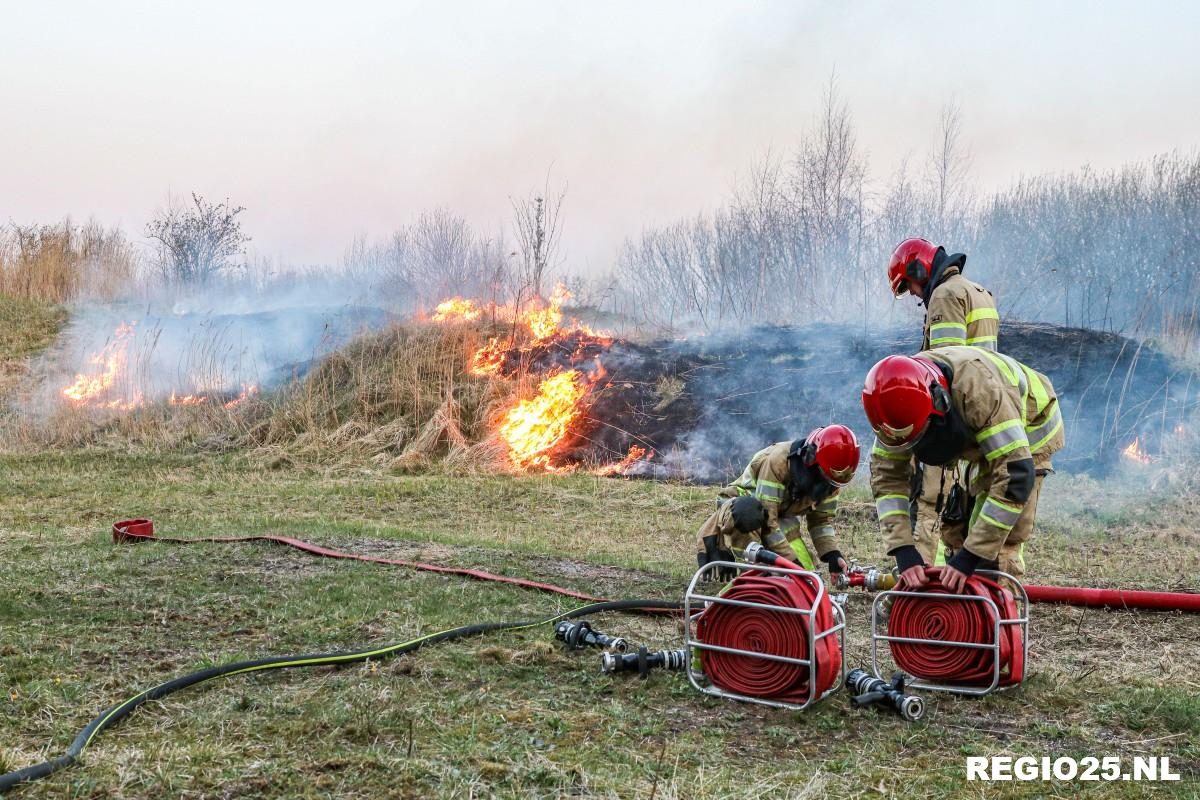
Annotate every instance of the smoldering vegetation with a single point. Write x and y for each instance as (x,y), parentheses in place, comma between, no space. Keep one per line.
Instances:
(706,404)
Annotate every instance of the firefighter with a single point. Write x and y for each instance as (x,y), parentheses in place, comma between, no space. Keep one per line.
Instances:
(964,403)
(957,312)
(785,487)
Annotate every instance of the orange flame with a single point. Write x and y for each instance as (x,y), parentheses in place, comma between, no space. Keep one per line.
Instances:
(248,391)
(1134,452)
(489,358)
(534,428)
(187,399)
(618,468)
(92,390)
(456,309)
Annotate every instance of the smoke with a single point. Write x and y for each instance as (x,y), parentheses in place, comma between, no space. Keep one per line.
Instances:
(213,342)
(706,404)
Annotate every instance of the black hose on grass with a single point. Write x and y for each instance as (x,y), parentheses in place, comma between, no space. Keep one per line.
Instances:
(115,714)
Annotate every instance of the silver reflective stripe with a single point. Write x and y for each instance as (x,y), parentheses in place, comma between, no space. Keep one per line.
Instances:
(828,506)
(890,505)
(768,491)
(999,514)
(820,531)
(1001,442)
(986,342)
(947,333)
(890,452)
(789,524)
(775,539)
(1040,436)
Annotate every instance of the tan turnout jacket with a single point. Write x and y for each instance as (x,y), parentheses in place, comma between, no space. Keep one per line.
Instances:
(1011,412)
(767,478)
(960,312)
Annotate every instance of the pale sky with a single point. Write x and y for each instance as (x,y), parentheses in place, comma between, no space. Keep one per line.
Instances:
(337,119)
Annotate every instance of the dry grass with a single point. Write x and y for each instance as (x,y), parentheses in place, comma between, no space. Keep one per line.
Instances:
(64,262)
(401,399)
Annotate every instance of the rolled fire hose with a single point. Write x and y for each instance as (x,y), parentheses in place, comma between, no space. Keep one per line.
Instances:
(960,620)
(114,714)
(766,631)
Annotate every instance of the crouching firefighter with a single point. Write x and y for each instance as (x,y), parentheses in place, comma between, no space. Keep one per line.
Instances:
(962,403)
(785,488)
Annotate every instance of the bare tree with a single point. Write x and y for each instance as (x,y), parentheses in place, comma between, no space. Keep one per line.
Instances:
(538,230)
(948,170)
(199,241)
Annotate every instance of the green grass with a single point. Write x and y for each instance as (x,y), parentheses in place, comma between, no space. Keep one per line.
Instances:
(84,624)
(27,326)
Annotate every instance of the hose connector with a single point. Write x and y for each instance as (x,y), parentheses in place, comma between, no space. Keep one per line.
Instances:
(581,634)
(868,690)
(644,660)
(755,553)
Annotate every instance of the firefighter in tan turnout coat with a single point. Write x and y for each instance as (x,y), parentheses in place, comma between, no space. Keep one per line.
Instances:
(786,488)
(975,405)
(958,312)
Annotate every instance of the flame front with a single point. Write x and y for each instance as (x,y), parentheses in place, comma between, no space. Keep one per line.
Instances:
(1135,453)
(456,309)
(534,428)
(112,361)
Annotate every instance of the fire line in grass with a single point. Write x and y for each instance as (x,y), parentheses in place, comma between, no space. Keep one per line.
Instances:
(536,430)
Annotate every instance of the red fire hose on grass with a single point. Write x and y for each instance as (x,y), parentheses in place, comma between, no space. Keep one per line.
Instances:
(874,579)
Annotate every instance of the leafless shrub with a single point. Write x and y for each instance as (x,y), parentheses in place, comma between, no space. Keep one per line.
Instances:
(197,241)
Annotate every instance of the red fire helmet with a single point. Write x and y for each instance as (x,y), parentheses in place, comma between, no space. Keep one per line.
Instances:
(900,395)
(912,261)
(834,450)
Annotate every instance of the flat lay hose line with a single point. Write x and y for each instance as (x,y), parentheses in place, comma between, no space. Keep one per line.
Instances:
(114,714)
(958,620)
(769,631)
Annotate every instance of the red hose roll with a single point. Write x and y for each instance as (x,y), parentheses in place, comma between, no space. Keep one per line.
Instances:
(957,620)
(774,632)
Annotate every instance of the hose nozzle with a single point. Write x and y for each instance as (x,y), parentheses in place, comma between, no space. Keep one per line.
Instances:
(643,661)
(578,635)
(868,690)
(755,553)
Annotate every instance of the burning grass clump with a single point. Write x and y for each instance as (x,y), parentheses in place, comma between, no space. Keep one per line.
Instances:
(404,398)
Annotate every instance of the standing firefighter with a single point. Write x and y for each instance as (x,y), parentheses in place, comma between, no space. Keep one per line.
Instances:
(958,312)
(785,486)
(971,404)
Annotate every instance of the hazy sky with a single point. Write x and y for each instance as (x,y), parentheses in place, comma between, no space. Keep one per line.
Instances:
(335,119)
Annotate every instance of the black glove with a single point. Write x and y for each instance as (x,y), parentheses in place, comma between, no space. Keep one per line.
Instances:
(713,553)
(833,560)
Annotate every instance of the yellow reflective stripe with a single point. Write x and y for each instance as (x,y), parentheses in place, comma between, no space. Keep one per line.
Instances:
(828,506)
(769,491)
(807,559)
(820,531)
(1002,364)
(789,524)
(982,313)
(1006,506)
(1055,424)
(1040,396)
(775,539)
(939,559)
(1002,439)
(890,505)
(948,333)
(890,451)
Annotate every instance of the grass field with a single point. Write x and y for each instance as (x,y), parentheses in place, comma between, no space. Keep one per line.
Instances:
(84,623)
